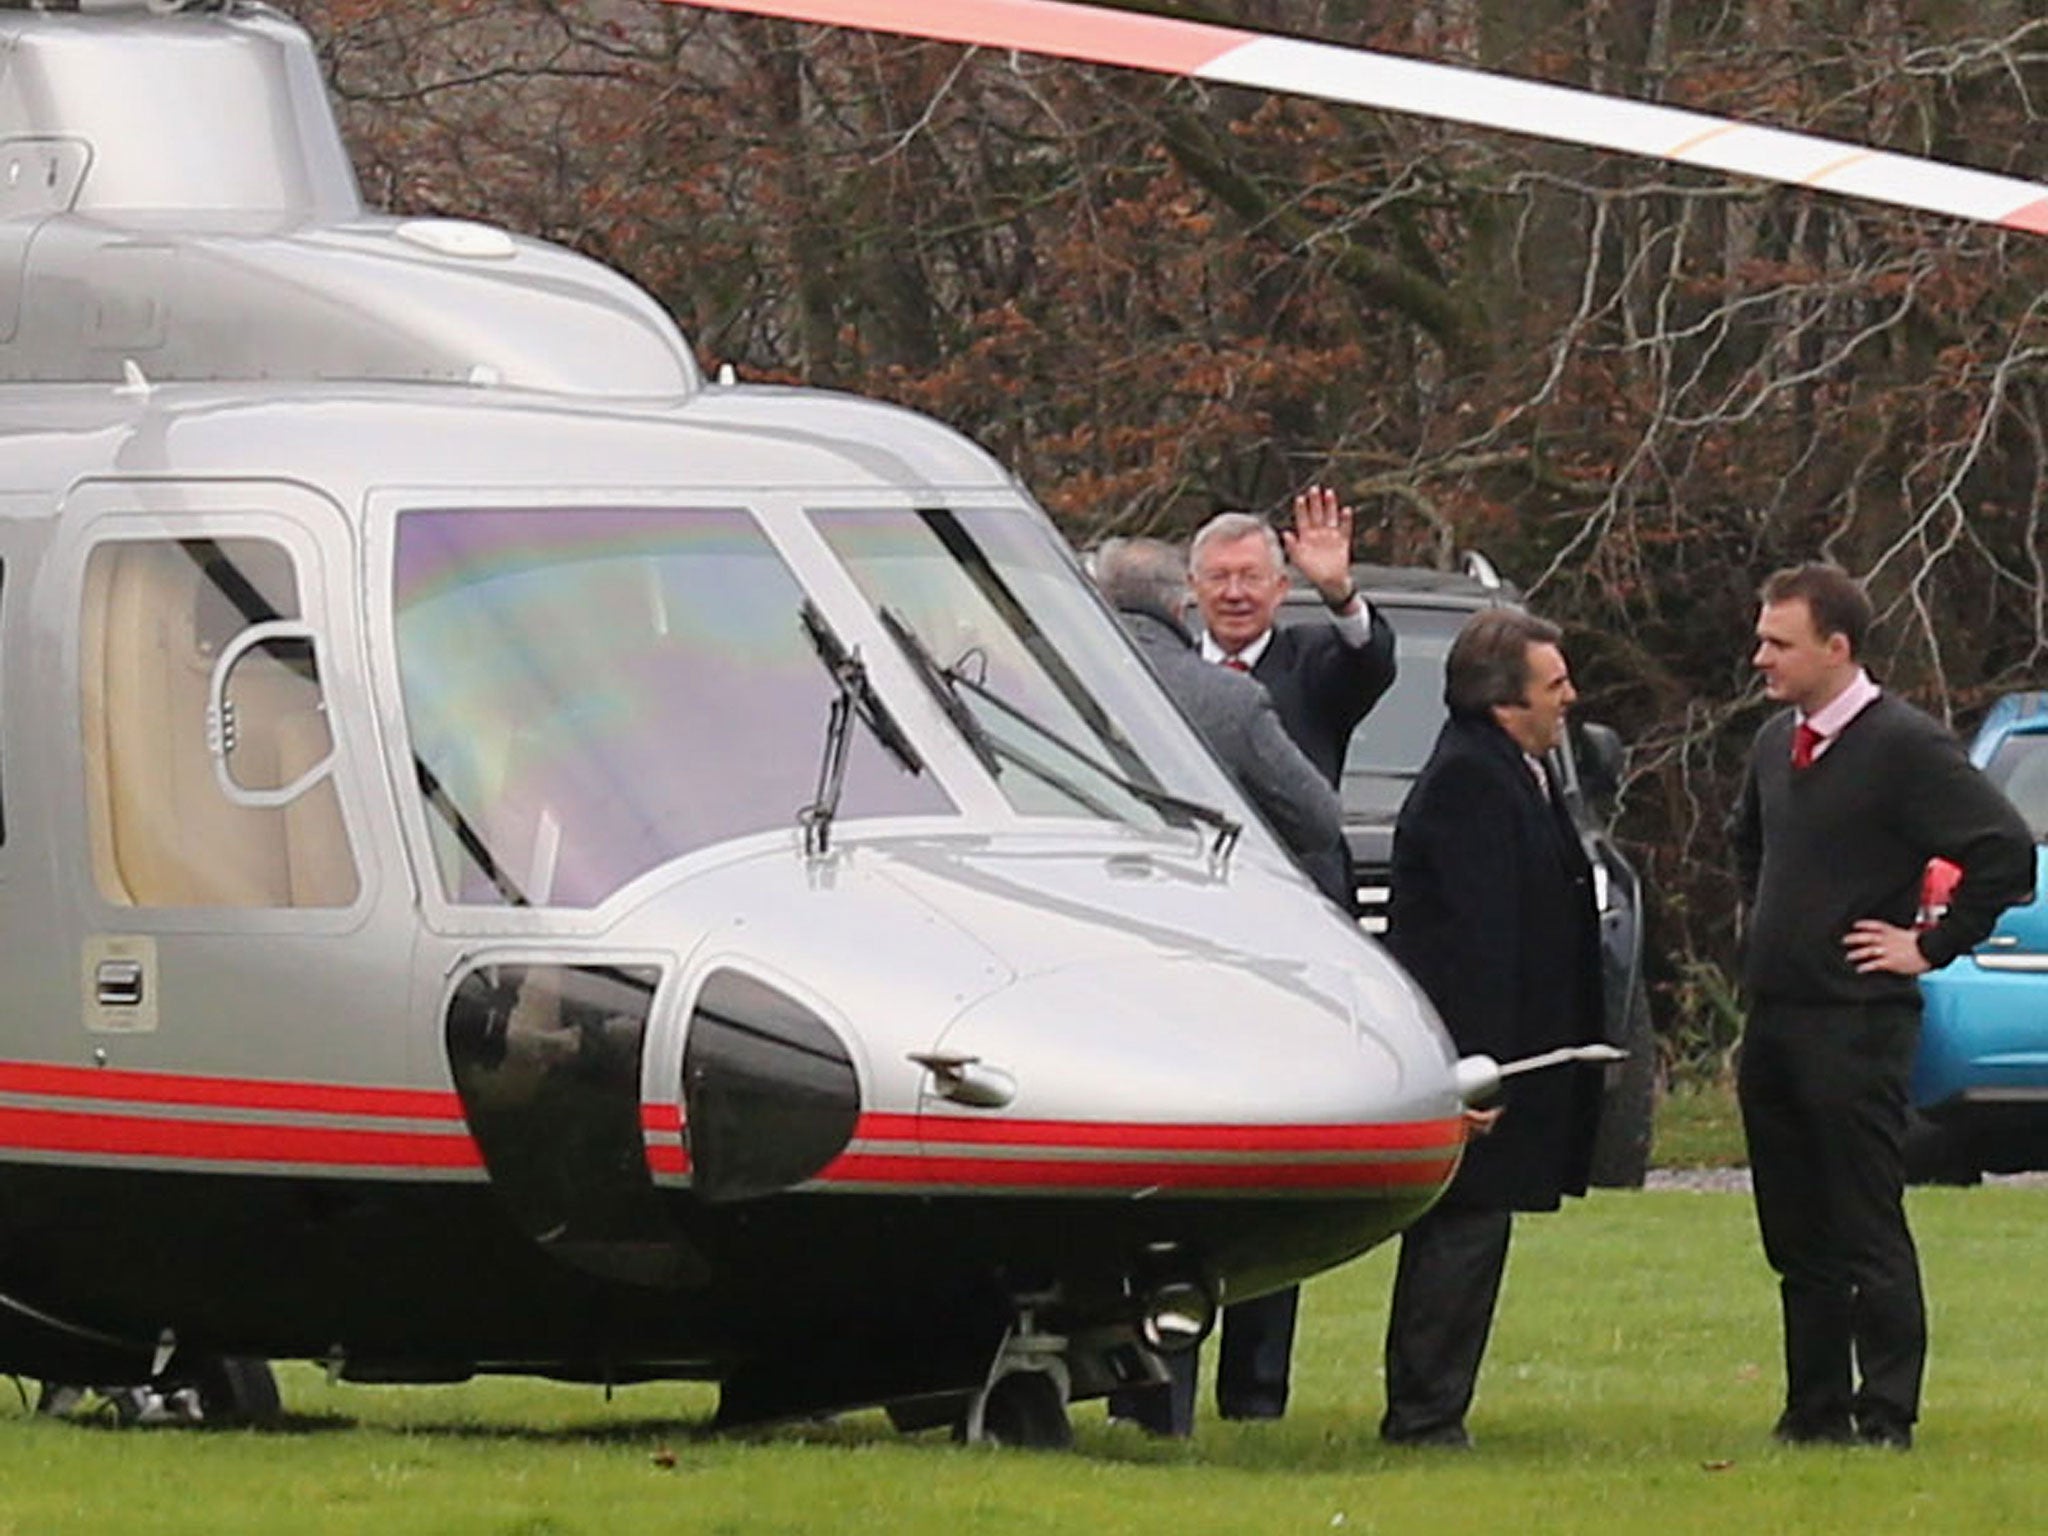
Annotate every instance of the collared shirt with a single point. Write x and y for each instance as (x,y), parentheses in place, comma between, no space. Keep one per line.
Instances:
(1845,706)
(1355,627)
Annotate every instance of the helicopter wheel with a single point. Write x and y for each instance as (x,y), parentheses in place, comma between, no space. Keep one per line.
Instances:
(1024,1409)
(230,1391)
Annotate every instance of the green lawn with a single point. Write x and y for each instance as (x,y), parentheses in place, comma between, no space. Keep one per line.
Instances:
(1632,1382)
(1698,1126)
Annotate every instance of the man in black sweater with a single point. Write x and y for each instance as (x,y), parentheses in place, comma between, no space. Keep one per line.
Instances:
(1850,792)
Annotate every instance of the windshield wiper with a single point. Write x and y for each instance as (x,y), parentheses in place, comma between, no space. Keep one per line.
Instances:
(443,805)
(856,696)
(940,681)
(946,682)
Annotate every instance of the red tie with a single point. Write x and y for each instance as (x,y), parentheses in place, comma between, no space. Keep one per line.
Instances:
(1805,742)
(1236,664)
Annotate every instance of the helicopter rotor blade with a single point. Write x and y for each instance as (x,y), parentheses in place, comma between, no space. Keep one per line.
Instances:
(1361,77)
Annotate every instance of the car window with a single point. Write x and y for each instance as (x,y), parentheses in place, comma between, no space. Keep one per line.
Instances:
(2020,768)
(1393,741)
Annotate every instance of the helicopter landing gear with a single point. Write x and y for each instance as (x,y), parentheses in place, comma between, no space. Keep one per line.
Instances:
(216,1390)
(1024,1403)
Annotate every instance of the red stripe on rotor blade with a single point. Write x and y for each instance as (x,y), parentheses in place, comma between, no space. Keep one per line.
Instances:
(1092,34)
(38,1130)
(107,1084)
(2033,218)
(1024,1173)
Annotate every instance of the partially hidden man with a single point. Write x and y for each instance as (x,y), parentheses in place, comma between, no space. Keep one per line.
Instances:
(1323,675)
(1145,580)
(1850,792)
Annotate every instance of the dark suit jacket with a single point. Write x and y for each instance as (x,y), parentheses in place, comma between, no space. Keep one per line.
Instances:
(1492,912)
(1323,687)
(1236,718)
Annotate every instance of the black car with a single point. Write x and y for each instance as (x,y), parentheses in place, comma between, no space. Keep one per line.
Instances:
(1427,608)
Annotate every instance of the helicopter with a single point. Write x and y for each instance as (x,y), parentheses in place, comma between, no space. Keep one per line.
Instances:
(516,857)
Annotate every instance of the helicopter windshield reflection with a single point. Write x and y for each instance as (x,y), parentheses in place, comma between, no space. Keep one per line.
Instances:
(1033,664)
(593,693)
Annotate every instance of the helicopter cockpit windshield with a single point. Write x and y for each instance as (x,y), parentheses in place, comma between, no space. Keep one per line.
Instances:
(592,693)
(985,606)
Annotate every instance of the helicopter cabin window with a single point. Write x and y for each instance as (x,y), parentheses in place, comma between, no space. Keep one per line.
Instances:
(592,692)
(208,755)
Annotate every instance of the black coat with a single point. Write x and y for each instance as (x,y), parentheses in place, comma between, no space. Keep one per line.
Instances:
(1492,912)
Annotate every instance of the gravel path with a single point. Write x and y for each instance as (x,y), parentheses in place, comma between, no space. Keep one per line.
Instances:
(1725,1181)
(1700,1181)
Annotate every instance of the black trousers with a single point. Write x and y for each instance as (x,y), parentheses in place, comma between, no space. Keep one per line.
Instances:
(1445,1287)
(1258,1344)
(1251,1375)
(1823,1096)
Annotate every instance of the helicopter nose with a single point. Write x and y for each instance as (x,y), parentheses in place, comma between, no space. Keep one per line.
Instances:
(1169,1075)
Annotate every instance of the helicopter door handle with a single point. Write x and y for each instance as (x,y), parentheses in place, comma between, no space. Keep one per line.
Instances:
(118,983)
(967,1079)
(223,730)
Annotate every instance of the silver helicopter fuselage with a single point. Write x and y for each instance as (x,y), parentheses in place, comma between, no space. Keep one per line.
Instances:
(517,858)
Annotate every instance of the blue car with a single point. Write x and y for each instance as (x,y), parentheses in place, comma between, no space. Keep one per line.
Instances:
(1980,1083)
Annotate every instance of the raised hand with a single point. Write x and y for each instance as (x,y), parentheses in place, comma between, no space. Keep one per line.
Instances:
(1319,544)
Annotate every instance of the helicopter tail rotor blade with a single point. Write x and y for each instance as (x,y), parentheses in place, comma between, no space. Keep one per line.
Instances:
(1362,77)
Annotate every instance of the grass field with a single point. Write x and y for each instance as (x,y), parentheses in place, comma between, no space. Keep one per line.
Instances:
(1698,1126)
(1631,1384)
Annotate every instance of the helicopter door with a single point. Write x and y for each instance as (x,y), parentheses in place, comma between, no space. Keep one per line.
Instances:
(208,746)
(219,799)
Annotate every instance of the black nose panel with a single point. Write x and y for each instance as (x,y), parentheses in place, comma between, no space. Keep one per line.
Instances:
(770,1092)
(546,1059)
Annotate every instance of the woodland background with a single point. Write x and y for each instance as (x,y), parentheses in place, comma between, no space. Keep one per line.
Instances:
(1636,388)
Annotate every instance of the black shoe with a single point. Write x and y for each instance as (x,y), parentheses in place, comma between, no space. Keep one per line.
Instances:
(1889,1434)
(1792,1430)
(1445,1437)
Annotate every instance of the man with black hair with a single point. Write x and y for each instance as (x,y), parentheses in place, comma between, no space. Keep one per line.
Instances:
(1850,792)
(1492,913)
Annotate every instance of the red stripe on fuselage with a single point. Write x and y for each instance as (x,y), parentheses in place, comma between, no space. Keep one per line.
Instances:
(107,1084)
(211,1141)
(1073,1155)
(661,1117)
(1183,1136)
(910,1172)
(669,1159)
